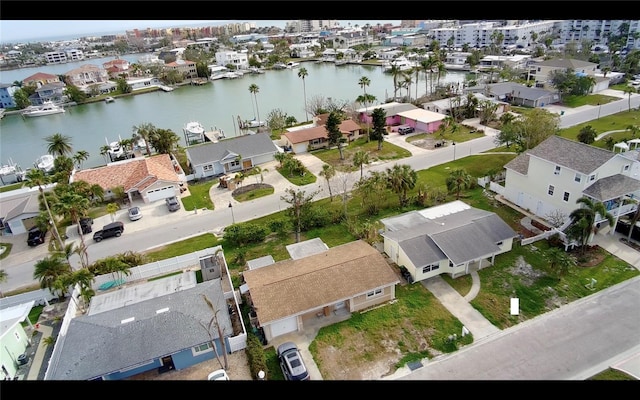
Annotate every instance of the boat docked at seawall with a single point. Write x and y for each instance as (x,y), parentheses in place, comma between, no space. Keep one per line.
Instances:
(279,65)
(193,133)
(45,163)
(109,99)
(292,64)
(47,108)
(217,72)
(402,63)
(11,173)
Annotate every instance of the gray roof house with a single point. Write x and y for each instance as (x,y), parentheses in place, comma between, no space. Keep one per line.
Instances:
(548,179)
(449,238)
(19,209)
(517,94)
(164,331)
(230,155)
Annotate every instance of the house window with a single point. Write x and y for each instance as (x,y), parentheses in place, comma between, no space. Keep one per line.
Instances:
(208,168)
(551,189)
(374,293)
(499,243)
(431,267)
(17,335)
(235,163)
(557,171)
(565,196)
(626,167)
(578,178)
(201,349)
(592,178)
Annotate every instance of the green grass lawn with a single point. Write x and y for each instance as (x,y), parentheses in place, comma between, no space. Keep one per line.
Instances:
(200,197)
(389,151)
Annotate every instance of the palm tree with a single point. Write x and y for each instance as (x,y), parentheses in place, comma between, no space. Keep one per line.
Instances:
(400,179)
(36,177)
(80,157)
(396,72)
(144,131)
(360,158)
(364,82)
(302,73)
(457,180)
(3,278)
(328,172)
(112,209)
(629,90)
(559,259)
(254,90)
(104,150)
(73,205)
(49,270)
(59,145)
(164,141)
(584,218)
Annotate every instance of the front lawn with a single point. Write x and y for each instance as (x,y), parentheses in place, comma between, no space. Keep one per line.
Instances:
(389,151)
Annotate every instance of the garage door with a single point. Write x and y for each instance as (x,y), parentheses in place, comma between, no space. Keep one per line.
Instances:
(161,193)
(284,326)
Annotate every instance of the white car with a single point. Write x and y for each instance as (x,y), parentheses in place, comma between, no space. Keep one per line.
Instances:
(218,375)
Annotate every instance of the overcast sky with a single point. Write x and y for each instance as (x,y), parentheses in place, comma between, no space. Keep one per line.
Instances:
(12,31)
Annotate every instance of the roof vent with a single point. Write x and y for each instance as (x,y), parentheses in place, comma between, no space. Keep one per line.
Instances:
(124,321)
(160,311)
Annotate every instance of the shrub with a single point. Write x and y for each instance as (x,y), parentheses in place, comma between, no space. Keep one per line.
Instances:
(245,233)
(255,355)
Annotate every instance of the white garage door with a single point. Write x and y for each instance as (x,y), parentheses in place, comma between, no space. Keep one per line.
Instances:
(161,193)
(284,326)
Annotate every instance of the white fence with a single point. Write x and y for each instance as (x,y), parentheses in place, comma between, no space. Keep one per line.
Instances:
(493,186)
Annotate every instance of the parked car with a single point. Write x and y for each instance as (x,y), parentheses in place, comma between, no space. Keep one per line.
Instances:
(36,236)
(623,227)
(172,203)
(403,130)
(218,375)
(85,225)
(109,230)
(135,213)
(291,362)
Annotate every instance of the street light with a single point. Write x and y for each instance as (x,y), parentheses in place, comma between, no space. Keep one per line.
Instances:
(233,218)
(599,107)
(454,150)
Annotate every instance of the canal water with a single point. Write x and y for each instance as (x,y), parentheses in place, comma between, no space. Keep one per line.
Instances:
(215,105)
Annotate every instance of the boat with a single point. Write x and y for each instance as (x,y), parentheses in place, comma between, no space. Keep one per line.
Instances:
(401,62)
(217,72)
(115,150)
(292,64)
(279,65)
(193,132)
(2,111)
(254,123)
(47,108)
(256,70)
(109,99)
(11,173)
(45,163)
(341,62)
(232,75)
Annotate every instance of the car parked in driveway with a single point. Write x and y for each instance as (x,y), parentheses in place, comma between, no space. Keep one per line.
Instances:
(291,362)
(85,225)
(172,203)
(135,213)
(109,230)
(36,236)
(218,375)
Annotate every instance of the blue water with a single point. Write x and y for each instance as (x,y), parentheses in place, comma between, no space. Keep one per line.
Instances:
(216,105)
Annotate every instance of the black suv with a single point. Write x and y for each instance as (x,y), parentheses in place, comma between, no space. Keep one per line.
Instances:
(36,236)
(109,230)
(85,225)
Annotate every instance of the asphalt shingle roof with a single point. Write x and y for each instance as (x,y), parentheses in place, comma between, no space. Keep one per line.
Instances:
(612,187)
(247,146)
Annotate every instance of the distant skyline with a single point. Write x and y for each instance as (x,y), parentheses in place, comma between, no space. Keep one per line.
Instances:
(15,31)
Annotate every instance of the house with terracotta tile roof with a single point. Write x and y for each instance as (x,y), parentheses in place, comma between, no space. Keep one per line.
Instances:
(40,79)
(148,179)
(340,280)
(317,137)
(186,68)
(116,67)
(89,75)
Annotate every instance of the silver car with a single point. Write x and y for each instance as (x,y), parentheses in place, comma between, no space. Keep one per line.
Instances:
(135,213)
(291,362)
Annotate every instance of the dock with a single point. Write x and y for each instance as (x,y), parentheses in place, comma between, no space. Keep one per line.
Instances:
(214,135)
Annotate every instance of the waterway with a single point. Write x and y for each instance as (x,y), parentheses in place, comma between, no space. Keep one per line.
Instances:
(216,105)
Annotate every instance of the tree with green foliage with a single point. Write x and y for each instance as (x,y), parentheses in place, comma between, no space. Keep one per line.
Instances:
(254,90)
(401,179)
(300,203)
(370,190)
(587,135)
(74,204)
(559,260)
(333,131)
(629,90)
(59,144)
(583,220)
(379,118)
(123,86)
(328,172)
(302,74)
(529,131)
(144,131)
(458,180)
(36,177)
(164,141)
(48,270)
(360,159)
(75,94)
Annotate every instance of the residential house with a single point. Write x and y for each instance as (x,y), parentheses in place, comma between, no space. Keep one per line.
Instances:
(187,69)
(6,95)
(89,76)
(53,92)
(515,62)
(148,179)
(419,119)
(517,94)
(289,294)
(40,79)
(449,105)
(451,238)
(391,109)
(230,155)
(19,209)
(239,60)
(548,179)
(116,68)
(540,72)
(14,340)
(159,324)
(303,139)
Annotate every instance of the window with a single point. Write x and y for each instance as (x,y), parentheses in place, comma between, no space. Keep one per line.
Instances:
(235,163)
(557,171)
(592,178)
(551,189)
(499,243)
(578,178)
(203,348)
(565,196)
(431,267)
(375,293)
(626,167)
(207,168)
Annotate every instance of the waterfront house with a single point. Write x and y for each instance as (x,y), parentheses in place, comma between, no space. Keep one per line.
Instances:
(447,106)
(517,94)
(548,179)
(230,155)
(148,179)
(451,238)
(540,72)
(87,76)
(340,280)
(40,79)
(391,109)
(116,68)
(303,140)
(185,68)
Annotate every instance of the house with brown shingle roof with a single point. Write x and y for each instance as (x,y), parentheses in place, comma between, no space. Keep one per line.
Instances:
(148,179)
(548,179)
(306,139)
(341,280)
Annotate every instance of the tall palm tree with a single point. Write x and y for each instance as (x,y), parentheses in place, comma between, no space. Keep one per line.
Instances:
(328,172)
(584,218)
(360,158)
(49,270)
(457,180)
(74,206)
(629,90)
(364,82)
(400,179)
(302,73)
(396,72)
(80,157)
(59,145)
(254,90)
(37,177)
(144,131)
(104,150)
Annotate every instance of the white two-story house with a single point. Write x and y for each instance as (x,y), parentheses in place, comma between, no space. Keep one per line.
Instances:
(548,179)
